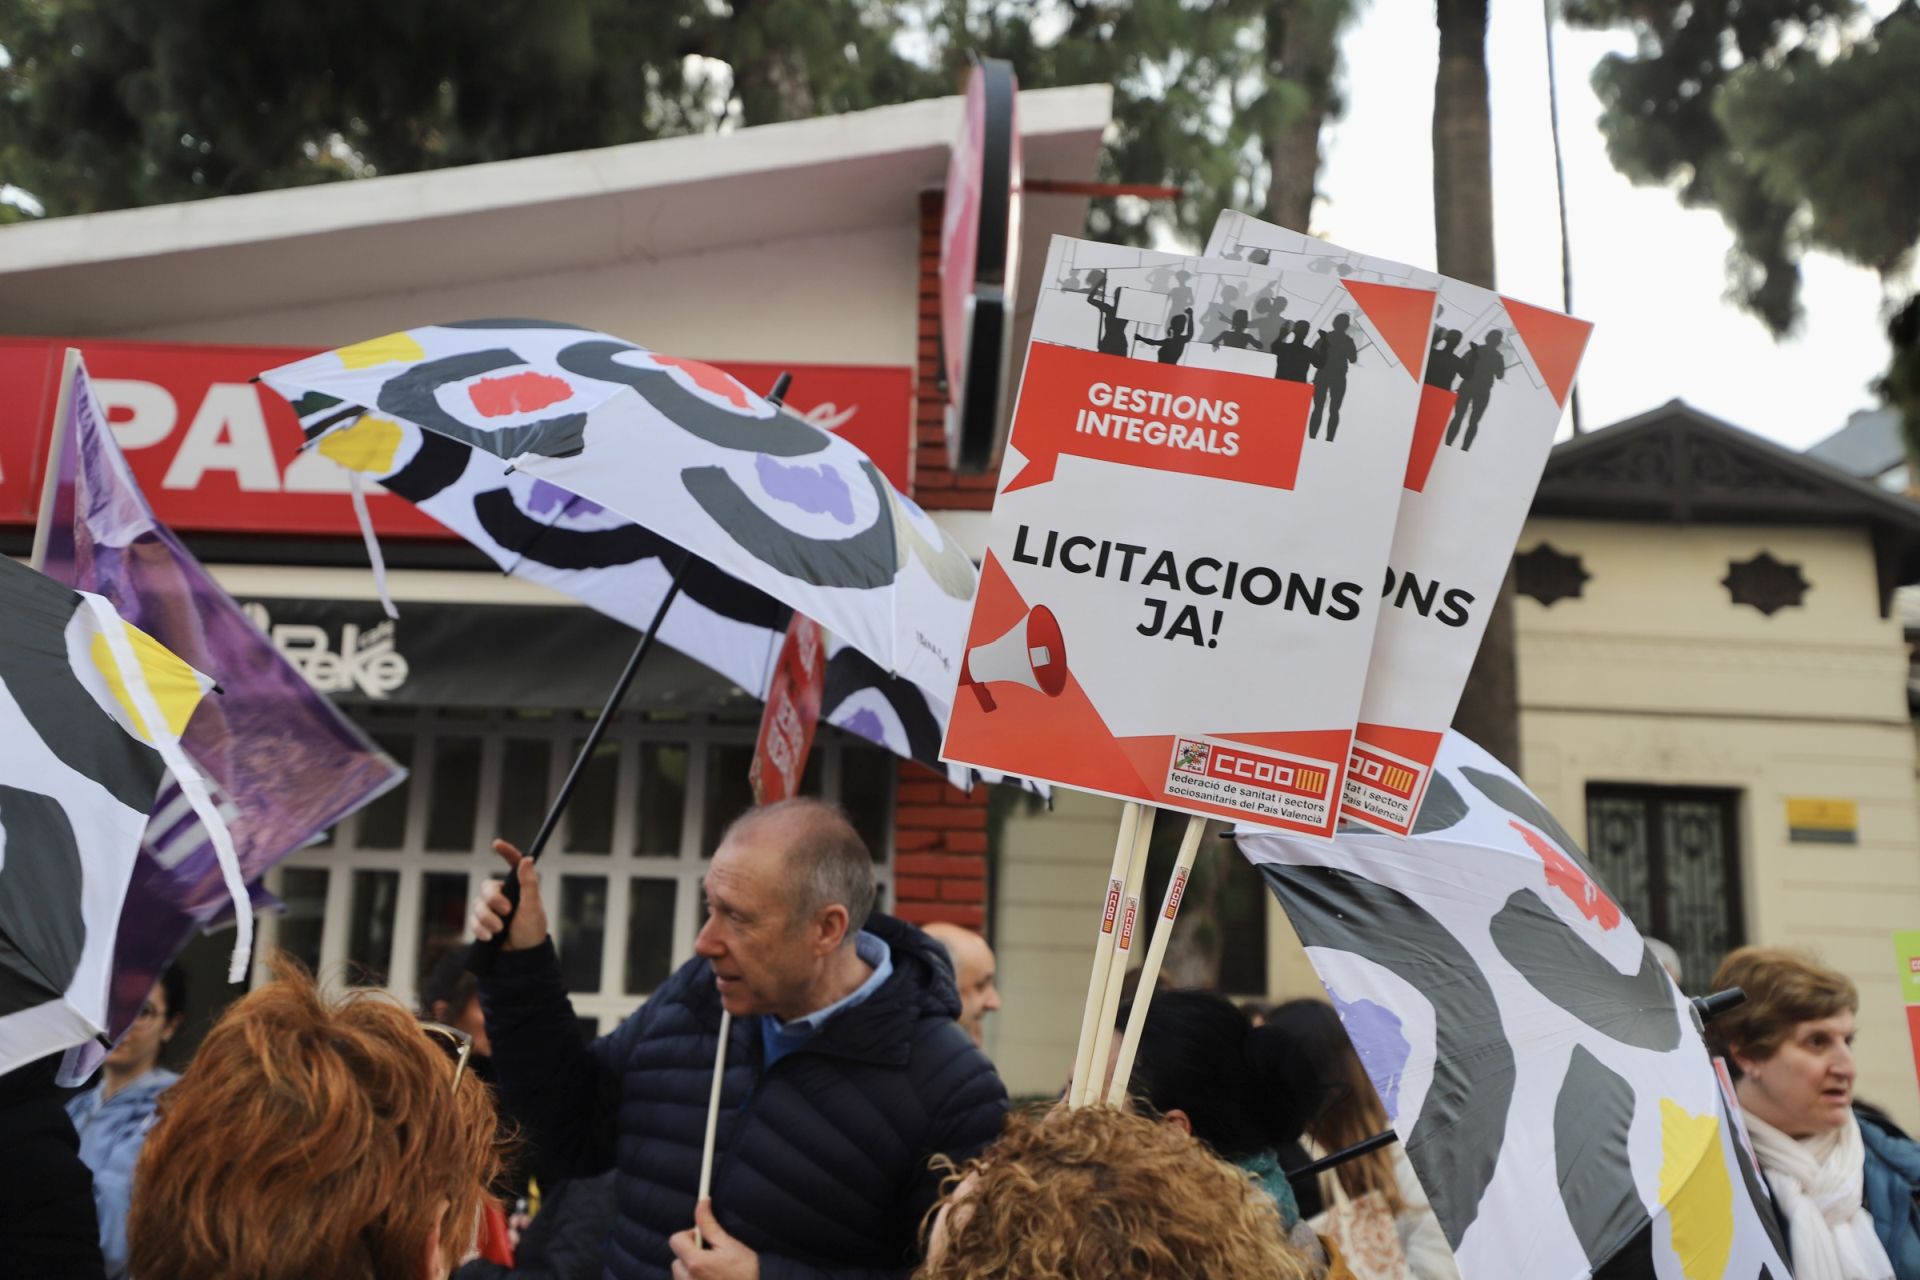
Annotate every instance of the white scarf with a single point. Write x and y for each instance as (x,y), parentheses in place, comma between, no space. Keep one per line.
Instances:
(1820,1186)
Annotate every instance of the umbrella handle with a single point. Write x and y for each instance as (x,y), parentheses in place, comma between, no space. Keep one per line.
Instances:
(486,954)
(1308,1172)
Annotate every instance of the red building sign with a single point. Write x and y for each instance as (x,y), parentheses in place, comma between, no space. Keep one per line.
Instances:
(216,453)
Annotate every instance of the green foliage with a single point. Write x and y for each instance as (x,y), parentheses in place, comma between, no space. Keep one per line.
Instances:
(1900,385)
(1793,118)
(112,103)
(1199,90)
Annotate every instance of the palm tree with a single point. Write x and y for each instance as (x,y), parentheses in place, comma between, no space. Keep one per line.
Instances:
(1463,238)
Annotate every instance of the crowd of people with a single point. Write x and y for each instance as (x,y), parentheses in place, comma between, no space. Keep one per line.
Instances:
(862,1130)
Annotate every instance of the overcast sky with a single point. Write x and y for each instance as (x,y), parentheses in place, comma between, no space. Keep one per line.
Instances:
(1649,274)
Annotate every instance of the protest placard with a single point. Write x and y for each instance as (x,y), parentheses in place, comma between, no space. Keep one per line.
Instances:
(1497,377)
(791,714)
(1183,567)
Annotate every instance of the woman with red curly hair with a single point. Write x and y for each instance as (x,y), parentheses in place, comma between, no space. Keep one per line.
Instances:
(315,1139)
(1097,1192)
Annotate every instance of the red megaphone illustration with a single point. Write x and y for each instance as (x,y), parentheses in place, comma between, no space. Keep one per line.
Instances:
(1032,652)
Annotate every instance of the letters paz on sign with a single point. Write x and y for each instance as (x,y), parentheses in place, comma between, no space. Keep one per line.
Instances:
(1181,579)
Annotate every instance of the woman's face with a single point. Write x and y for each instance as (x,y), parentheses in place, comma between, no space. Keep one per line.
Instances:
(1806,1087)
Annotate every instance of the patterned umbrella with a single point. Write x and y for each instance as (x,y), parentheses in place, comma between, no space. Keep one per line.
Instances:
(1548,1079)
(91,712)
(622,460)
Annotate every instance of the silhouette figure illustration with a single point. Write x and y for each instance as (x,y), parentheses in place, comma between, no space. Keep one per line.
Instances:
(1236,335)
(1480,365)
(1174,345)
(1292,357)
(1333,351)
(1113,330)
(1443,363)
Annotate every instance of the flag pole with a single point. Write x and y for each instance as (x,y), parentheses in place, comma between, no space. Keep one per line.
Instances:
(1080,1086)
(1122,952)
(486,954)
(1156,952)
(57,444)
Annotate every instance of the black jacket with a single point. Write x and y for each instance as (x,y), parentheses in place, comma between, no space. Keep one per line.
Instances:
(47,1223)
(565,1241)
(821,1162)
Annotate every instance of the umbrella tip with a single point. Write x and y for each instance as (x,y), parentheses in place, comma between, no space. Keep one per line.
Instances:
(778,395)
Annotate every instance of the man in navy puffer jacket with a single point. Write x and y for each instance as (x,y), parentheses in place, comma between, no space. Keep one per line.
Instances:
(846,1072)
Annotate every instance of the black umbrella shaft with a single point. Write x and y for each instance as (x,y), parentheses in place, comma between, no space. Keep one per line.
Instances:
(485,953)
(1340,1157)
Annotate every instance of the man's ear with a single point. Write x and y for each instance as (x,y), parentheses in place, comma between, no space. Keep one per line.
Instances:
(1179,1120)
(831,927)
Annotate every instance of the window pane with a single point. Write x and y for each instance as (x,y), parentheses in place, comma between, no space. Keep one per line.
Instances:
(663,798)
(383,824)
(450,803)
(589,818)
(649,934)
(370,936)
(443,919)
(304,890)
(866,793)
(583,930)
(1697,855)
(524,765)
(1617,842)
(728,793)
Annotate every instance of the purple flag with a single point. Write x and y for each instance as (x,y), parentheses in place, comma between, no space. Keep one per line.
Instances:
(280,762)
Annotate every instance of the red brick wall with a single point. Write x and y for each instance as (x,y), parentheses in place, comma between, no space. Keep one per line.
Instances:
(939,833)
(935,486)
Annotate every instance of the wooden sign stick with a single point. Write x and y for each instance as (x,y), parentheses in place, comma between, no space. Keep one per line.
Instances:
(1122,952)
(1082,1085)
(1156,952)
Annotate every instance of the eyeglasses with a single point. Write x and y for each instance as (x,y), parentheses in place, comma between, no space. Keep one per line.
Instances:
(457,1043)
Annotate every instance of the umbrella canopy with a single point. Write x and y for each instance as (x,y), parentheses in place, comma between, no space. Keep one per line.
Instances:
(91,712)
(1547,1077)
(620,458)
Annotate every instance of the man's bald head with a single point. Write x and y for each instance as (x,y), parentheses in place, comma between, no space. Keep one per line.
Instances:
(825,860)
(973,974)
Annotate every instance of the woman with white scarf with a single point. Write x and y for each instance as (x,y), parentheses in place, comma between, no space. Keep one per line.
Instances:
(1843,1182)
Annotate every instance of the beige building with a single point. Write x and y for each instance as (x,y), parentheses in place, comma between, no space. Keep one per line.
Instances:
(1706,643)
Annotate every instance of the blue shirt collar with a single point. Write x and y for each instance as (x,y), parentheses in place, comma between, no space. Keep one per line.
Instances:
(869,948)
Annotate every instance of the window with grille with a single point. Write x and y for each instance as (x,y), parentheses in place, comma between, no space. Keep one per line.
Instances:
(1671,856)
(383,894)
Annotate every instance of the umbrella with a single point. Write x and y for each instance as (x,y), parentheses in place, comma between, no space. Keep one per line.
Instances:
(91,712)
(688,455)
(666,469)
(1550,1082)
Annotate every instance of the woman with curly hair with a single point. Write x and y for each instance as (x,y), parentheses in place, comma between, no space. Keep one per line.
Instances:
(1106,1194)
(315,1139)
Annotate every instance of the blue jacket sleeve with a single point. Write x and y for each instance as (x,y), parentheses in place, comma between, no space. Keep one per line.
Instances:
(562,1091)
(113,1192)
